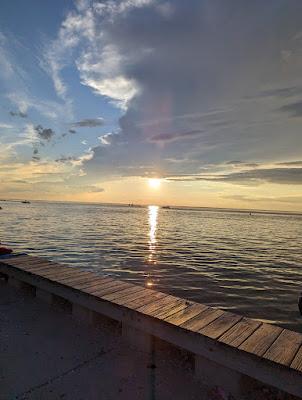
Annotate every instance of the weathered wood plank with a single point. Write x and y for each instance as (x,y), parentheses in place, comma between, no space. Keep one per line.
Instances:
(76,276)
(98,284)
(186,314)
(149,298)
(157,305)
(96,280)
(134,296)
(239,332)
(75,283)
(220,325)
(16,260)
(102,292)
(100,287)
(201,320)
(297,361)
(22,262)
(261,339)
(48,270)
(170,309)
(284,348)
(127,291)
(55,274)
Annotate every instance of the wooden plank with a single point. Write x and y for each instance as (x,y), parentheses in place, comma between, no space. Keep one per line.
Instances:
(43,265)
(134,296)
(149,298)
(239,332)
(100,287)
(157,305)
(24,261)
(284,348)
(220,325)
(60,273)
(76,276)
(130,290)
(76,282)
(186,314)
(117,287)
(201,320)
(46,267)
(97,280)
(101,283)
(171,309)
(17,260)
(261,339)
(297,361)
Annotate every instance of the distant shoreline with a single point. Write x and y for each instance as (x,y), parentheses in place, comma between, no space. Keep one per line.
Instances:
(171,208)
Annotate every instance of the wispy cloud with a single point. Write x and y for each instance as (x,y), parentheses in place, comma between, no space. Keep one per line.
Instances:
(88,123)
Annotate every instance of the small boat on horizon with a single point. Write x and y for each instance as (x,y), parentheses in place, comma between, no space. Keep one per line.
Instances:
(166,207)
(25,202)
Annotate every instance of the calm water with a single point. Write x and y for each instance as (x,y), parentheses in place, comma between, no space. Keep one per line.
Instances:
(247,264)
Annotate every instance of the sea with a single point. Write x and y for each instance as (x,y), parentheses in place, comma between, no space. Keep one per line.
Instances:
(247,263)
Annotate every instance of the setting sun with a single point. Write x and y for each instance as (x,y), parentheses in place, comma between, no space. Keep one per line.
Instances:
(154,183)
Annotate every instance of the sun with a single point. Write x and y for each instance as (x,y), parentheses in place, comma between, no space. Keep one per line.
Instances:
(154,183)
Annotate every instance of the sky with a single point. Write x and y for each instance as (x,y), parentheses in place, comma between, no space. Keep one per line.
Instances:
(195,103)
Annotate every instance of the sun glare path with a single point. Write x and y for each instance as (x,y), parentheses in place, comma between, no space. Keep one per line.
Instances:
(153,211)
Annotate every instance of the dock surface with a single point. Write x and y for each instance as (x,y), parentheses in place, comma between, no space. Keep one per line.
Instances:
(260,351)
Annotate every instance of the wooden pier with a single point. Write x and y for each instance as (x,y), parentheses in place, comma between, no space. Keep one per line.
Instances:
(220,342)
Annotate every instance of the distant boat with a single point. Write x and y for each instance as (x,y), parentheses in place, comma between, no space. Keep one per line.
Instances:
(25,202)
(166,207)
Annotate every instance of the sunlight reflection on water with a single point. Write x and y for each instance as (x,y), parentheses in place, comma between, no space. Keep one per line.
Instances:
(153,212)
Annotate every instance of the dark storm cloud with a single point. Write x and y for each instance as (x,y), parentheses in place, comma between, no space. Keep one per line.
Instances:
(18,114)
(44,133)
(88,123)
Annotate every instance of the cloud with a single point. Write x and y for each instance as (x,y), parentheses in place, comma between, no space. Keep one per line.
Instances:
(196,86)
(168,137)
(44,133)
(290,164)
(266,199)
(293,109)
(188,82)
(18,114)
(88,123)
(64,159)
(283,176)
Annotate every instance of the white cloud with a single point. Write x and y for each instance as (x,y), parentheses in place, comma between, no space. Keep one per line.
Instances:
(100,62)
